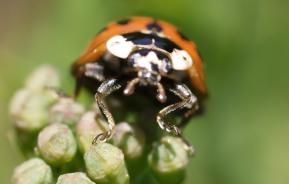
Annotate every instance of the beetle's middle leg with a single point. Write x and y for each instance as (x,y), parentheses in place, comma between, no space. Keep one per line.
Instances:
(90,70)
(94,70)
(105,89)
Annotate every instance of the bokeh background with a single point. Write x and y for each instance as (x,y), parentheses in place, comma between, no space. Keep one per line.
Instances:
(244,136)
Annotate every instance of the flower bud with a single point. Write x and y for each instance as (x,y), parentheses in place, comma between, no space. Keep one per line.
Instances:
(66,111)
(74,178)
(130,140)
(43,77)
(56,144)
(29,109)
(168,160)
(89,126)
(33,171)
(105,164)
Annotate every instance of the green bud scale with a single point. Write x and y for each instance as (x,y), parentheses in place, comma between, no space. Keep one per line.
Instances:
(168,160)
(29,109)
(42,78)
(74,178)
(66,111)
(56,144)
(129,139)
(90,125)
(33,171)
(105,164)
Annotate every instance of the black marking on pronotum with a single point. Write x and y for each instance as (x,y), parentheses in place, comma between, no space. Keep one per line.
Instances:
(123,21)
(140,38)
(182,35)
(155,67)
(154,26)
(144,52)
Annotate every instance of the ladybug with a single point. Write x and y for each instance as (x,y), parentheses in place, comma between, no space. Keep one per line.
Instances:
(147,53)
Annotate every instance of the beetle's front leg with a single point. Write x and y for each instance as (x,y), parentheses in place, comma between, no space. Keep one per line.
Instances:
(188,100)
(94,70)
(105,89)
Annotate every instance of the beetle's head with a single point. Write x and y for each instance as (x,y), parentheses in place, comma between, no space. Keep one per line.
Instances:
(150,61)
(150,65)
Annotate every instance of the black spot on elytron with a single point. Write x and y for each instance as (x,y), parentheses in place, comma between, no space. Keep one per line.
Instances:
(184,37)
(123,21)
(154,26)
(102,30)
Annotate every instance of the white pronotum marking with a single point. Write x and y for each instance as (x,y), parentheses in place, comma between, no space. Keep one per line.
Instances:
(119,46)
(181,60)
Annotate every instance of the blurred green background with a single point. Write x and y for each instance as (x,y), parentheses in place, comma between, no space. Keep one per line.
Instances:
(244,136)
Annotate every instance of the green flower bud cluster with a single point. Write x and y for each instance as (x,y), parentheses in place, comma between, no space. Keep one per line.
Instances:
(29,105)
(55,134)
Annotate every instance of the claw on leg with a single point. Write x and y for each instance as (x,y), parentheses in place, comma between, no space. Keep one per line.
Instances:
(105,89)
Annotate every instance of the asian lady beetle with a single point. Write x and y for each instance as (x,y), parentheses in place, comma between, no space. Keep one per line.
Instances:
(145,52)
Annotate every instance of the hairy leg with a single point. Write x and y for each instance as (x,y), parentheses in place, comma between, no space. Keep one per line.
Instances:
(105,89)
(188,100)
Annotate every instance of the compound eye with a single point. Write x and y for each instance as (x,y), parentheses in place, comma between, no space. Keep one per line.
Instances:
(119,46)
(181,60)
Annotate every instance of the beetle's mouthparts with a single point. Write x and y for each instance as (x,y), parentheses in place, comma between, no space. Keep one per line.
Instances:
(130,87)
(148,77)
